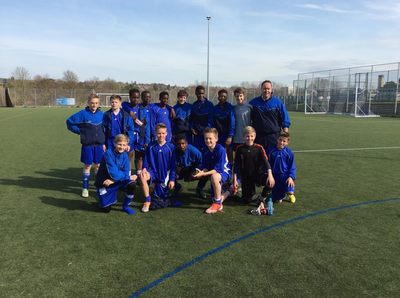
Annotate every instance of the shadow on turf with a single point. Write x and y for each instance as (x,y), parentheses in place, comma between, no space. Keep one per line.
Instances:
(84,205)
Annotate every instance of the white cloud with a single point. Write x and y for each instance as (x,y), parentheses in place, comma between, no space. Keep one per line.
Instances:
(323,7)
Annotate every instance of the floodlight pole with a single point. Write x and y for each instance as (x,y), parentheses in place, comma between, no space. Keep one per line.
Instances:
(208,58)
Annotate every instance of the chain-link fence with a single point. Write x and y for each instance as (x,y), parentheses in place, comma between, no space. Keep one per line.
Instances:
(384,103)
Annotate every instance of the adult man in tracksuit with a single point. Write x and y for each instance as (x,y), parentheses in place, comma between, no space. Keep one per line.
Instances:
(268,116)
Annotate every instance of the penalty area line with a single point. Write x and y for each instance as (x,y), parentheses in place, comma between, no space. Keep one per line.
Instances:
(345,149)
(192,262)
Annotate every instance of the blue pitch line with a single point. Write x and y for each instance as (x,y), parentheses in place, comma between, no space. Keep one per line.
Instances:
(176,271)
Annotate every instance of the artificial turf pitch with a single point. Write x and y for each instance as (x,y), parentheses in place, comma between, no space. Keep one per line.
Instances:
(54,243)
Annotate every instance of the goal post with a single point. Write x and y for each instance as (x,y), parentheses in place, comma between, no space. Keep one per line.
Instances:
(105,98)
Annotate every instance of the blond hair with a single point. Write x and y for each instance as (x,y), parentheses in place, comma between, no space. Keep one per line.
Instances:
(211,130)
(249,130)
(121,138)
(93,95)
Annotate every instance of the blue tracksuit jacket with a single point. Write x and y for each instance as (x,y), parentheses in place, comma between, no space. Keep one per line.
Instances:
(190,159)
(89,126)
(224,119)
(126,123)
(268,116)
(282,162)
(141,114)
(181,123)
(201,116)
(113,166)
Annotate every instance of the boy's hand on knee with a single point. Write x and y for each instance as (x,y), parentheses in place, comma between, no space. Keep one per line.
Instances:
(108,182)
(171,184)
(290,182)
(133,177)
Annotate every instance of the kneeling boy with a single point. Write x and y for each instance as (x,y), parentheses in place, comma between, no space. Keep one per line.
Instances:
(113,174)
(281,159)
(159,167)
(215,165)
(252,167)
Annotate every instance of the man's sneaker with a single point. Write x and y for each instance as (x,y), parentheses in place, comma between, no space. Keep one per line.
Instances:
(201,193)
(146,207)
(214,208)
(85,193)
(291,198)
(257,211)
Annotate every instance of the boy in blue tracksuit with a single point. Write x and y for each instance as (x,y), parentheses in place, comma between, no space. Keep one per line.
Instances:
(117,121)
(181,123)
(215,165)
(188,158)
(88,123)
(159,167)
(201,117)
(141,134)
(161,113)
(113,174)
(224,122)
(269,116)
(281,159)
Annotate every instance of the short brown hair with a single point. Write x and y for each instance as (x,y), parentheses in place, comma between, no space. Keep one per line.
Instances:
(239,90)
(284,134)
(182,93)
(211,130)
(248,130)
(93,95)
(115,97)
(121,138)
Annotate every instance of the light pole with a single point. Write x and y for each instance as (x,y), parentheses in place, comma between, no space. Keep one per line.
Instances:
(208,58)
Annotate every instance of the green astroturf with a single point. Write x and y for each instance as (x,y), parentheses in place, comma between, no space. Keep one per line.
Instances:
(54,243)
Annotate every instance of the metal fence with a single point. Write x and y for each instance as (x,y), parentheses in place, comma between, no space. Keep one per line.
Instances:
(384,102)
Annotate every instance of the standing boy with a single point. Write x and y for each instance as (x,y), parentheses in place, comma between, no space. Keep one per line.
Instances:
(161,114)
(201,117)
(242,116)
(269,116)
(181,123)
(224,122)
(252,167)
(215,165)
(113,174)
(141,135)
(117,121)
(159,167)
(281,159)
(88,123)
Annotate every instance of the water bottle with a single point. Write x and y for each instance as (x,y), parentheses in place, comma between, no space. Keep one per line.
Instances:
(239,192)
(270,207)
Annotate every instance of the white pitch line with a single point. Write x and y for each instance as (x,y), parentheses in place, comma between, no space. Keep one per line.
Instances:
(349,149)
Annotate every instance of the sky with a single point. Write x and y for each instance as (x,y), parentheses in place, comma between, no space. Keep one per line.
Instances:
(165,41)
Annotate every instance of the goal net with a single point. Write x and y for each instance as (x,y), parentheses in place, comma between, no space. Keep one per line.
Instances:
(353,100)
(105,98)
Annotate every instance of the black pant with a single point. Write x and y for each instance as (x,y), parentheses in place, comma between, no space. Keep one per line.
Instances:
(249,184)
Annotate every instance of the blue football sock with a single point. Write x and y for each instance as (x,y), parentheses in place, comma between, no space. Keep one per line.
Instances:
(85,178)
(126,203)
(147,199)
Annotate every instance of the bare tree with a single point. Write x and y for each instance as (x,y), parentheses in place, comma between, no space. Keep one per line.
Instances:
(110,85)
(93,83)
(21,83)
(70,79)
